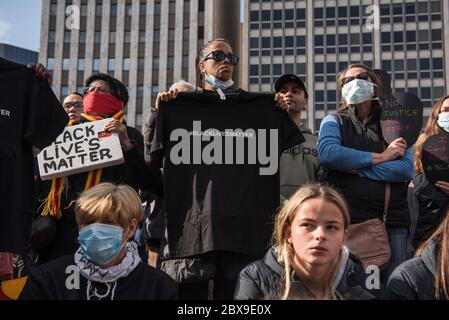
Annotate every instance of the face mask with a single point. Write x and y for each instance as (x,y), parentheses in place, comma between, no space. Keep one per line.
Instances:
(102,103)
(101,243)
(214,82)
(443,121)
(357,91)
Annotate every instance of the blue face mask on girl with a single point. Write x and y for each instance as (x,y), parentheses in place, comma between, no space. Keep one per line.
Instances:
(101,243)
(443,121)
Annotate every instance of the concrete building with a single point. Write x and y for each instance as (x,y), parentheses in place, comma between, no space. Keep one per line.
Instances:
(315,39)
(18,55)
(148,44)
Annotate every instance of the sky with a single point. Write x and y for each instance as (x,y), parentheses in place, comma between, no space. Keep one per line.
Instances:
(20,22)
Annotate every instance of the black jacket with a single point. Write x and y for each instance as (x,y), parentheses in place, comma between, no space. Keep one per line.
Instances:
(263,279)
(49,282)
(366,197)
(414,279)
(429,204)
(132,172)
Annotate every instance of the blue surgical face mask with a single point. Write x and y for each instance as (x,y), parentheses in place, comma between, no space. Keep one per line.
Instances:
(218,84)
(101,243)
(443,121)
(357,91)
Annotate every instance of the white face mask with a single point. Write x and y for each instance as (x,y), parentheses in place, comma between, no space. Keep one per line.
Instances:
(218,84)
(443,121)
(358,91)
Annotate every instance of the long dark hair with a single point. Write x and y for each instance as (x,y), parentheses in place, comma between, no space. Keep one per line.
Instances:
(200,56)
(430,129)
(441,277)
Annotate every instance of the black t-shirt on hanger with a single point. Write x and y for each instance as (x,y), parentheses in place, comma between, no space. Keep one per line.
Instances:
(30,115)
(220,160)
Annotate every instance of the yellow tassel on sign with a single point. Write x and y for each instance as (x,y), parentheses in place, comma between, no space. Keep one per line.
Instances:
(52,204)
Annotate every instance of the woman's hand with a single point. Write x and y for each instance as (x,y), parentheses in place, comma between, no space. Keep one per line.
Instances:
(166,96)
(119,128)
(444,186)
(395,150)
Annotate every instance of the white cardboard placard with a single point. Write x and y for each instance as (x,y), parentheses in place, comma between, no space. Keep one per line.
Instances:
(80,148)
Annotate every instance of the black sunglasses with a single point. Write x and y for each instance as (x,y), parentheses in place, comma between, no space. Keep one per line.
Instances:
(361,76)
(221,56)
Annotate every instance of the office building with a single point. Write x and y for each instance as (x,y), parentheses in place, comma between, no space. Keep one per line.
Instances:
(315,39)
(147,44)
(18,55)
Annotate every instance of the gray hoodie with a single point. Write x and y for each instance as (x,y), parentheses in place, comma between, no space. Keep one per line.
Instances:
(299,165)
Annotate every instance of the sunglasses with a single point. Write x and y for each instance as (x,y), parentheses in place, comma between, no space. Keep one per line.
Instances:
(76,105)
(221,56)
(361,76)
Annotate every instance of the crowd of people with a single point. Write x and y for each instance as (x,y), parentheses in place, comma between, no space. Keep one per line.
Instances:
(117,229)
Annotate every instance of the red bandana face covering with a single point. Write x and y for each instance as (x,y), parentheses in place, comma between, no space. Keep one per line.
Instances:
(102,103)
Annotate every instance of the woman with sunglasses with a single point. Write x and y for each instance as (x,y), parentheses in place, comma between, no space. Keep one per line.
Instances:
(212,274)
(215,64)
(360,163)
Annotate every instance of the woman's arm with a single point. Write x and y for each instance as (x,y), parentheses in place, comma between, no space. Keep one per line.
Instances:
(392,171)
(333,155)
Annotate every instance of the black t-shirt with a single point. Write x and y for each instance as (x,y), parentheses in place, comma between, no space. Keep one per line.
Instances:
(30,114)
(221,192)
(58,280)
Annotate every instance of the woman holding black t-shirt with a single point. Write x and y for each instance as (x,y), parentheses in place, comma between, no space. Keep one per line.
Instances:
(213,272)
(215,66)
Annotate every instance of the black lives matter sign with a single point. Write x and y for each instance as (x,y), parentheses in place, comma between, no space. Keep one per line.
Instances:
(80,148)
(435,157)
(402,117)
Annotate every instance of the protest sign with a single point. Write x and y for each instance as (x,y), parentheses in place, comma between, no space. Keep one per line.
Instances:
(435,157)
(402,116)
(80,148)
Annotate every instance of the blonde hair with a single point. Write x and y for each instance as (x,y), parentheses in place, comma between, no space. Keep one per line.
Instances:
(283,222)
(109,202)
(341,76)
(441,237)
(430,129)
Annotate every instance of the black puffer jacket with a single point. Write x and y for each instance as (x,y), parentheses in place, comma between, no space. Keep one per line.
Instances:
(413,279)
(429,204)
(263,279)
